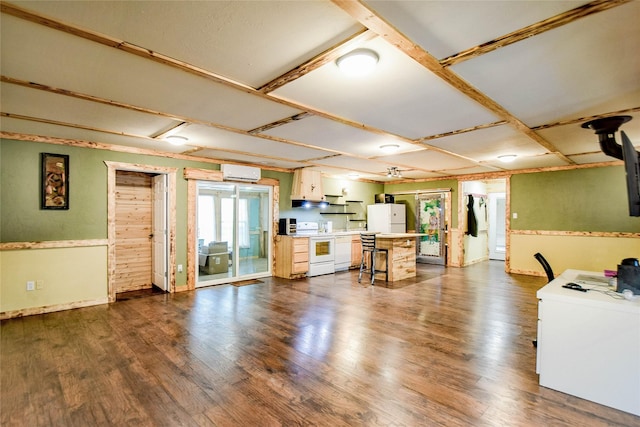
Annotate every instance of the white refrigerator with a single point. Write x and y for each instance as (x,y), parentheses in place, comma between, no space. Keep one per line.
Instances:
(387,218)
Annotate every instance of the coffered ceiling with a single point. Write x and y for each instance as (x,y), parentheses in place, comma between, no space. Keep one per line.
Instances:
(457,83)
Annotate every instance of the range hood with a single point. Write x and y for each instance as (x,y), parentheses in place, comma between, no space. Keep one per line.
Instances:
(306,191)
(300,203)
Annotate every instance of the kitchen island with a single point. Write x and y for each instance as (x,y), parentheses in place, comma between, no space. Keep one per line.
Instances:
(402,255)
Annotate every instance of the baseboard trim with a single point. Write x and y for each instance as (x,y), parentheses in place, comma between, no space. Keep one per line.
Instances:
(31,311)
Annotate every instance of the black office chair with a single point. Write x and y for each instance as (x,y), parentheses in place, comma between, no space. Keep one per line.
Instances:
(545,265)
(550,276)
(369,247)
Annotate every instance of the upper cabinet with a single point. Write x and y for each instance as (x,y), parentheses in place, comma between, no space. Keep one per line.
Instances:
(307,185)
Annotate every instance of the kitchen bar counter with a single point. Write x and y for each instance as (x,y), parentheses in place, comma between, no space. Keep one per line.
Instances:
(401,249)
(402,255)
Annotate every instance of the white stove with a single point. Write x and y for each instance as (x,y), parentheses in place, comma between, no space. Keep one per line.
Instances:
(307,228)
(321,249)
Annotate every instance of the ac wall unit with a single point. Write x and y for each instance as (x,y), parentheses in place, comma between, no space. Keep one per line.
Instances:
(240,173)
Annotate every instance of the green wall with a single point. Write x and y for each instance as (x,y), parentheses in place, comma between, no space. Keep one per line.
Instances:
(592,199)
(23,220)
(575,200)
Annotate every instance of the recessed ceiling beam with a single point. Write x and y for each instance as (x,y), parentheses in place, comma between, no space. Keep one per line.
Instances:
(277,123)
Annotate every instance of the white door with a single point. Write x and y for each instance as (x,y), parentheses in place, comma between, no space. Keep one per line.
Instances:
(497,226)
(159,240)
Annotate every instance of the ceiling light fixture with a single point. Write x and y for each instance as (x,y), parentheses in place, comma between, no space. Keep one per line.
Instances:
(353,175)
(389,148)
(507,158)
(359,62)
(394,172)
(177,139)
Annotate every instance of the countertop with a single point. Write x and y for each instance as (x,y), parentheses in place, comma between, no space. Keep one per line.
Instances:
(357,232)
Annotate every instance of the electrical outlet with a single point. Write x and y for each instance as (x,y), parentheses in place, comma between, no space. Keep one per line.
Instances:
(179,268)
(31,285)
(39,284)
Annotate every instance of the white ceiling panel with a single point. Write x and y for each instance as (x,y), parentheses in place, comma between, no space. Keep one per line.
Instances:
(599,157)
(400,96)
(565,73)
(586,67)
(354,164)
(340,173)
(444,28)
(319,131)
(247,158)
(573,139)
(471,171)
(8,124)
(216,138)
(419,174)
(487,144)
(544,161)
(429,160)
(251,41)
(44,56)
(40,104)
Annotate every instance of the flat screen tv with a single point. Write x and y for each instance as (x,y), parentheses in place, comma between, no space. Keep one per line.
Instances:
(632,168)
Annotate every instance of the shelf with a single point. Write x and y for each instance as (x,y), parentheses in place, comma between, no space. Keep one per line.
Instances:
(337,213)
(358,220)
(354,201)
(332,195)
(337,204)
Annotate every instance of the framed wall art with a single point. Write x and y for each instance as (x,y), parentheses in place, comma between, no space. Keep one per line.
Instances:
(54,187)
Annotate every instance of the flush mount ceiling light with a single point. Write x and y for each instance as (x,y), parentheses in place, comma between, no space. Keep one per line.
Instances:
(177,139)
(394,172)
(389,148)
(353,175)
(507,158)
(359,62)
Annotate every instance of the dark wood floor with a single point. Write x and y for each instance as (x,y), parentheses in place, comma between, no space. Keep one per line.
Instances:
(452,347)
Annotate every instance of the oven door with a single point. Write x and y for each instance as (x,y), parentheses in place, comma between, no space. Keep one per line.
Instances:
(321,256)
(321,249)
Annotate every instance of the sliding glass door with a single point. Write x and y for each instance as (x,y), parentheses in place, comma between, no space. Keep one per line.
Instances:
(233,232)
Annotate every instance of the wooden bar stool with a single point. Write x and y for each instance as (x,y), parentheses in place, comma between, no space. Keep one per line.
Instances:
(369,247)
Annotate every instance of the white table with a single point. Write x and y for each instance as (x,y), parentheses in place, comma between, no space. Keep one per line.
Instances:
(589,342)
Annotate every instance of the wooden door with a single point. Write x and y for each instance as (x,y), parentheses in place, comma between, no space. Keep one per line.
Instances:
(134,210)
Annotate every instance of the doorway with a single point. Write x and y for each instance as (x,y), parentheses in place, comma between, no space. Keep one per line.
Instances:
(497,226)
(134,263)
(141,228)
(483,210)
(431,217)
(234,228)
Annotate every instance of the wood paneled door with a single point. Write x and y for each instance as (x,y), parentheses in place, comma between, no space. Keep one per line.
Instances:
(134,233)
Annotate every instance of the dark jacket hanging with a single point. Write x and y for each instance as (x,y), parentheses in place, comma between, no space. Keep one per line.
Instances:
(472,222)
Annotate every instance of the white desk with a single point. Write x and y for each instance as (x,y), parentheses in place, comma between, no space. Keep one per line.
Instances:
(589,343)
